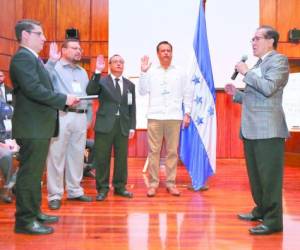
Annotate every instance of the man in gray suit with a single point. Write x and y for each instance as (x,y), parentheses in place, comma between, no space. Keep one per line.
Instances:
(264,129)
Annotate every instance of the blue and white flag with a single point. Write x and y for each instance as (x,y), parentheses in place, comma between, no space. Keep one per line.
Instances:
(198,141)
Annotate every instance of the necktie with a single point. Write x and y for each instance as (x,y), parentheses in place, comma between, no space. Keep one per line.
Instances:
(258,62)
(118,89)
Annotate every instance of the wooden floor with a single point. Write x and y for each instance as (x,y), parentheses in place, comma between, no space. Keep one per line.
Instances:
(195,220)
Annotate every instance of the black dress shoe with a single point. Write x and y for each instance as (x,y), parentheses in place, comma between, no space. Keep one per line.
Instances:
(101,196)
(83,198)
(249,217)
(44,218)
(263,230)
(54,204)
(34,228)
(123,193)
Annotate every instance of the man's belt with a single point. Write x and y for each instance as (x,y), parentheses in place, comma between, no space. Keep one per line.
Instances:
(79,111)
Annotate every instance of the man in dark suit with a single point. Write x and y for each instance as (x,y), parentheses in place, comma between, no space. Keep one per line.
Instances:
(115,123)
(264,129)
(34,122)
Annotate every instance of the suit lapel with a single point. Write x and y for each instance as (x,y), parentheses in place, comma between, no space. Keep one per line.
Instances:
(43,69)
(125,89)
(40,66)
(272,53)
(266,60)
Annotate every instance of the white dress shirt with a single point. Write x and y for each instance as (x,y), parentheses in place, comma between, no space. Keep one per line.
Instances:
(120,82)
(168,89)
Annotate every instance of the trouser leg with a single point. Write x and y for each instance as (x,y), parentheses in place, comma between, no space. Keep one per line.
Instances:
(33,154)
(102,156)
(171,136)
(120,162)
(155,138)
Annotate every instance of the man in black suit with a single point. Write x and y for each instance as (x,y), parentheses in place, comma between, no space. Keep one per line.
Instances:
(35,121)
(115,123)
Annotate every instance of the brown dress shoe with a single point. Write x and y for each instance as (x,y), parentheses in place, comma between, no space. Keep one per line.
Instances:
(173,191)
(151,192)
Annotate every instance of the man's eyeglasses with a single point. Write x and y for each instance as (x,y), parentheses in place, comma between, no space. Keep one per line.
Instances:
(257,38)
(39,33)
(76,48)
(117,61)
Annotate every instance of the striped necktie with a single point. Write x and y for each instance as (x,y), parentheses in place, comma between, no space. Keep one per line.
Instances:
(118,89)
(258,63)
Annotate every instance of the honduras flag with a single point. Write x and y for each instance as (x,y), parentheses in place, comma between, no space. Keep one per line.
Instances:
(198,141)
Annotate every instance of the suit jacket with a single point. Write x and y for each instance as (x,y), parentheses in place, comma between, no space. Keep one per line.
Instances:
(35,113)
(262,113)
(110,103)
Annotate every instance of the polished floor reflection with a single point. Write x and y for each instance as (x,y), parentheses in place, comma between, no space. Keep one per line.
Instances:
(195,220)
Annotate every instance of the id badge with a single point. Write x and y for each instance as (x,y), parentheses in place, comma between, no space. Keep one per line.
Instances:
(7,124)
(129,98)
(9,97)
(76,87)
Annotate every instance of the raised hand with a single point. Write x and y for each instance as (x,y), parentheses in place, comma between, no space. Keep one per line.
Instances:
(145,65)
(100,63)
(54,54)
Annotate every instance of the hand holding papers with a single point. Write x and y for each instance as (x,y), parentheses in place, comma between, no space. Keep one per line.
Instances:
(88,97)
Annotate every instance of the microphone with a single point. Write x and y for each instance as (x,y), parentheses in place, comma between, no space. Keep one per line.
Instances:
(235,73)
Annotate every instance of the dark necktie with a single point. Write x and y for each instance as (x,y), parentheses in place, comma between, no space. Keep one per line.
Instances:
(258,62)
(118,89)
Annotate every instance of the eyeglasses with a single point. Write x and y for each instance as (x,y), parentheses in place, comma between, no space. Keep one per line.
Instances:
(117,61)
(39,33)
(257,38)
(75,48)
